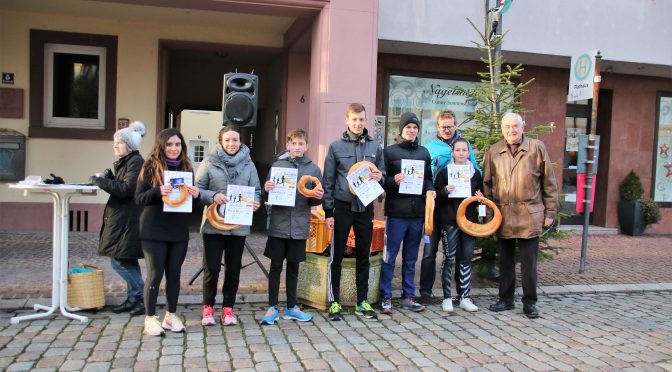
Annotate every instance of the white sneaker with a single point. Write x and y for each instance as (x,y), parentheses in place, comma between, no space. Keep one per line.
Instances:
(447,305)
(153,326)
(467,305)
(172,322)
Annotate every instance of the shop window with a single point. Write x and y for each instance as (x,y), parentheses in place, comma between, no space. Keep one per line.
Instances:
(662,161)
(424,96)
(73,85)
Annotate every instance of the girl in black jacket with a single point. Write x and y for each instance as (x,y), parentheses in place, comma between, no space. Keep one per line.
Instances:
(164,235)
(452,237)
(119,235)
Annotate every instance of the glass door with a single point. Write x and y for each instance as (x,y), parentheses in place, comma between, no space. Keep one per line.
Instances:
(577,122)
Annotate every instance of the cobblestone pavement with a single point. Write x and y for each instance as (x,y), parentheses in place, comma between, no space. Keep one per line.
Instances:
(612,331)
(25,264)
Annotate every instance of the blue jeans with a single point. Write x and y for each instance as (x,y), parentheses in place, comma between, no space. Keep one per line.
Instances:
(456,243)
(129,270)
(398,230)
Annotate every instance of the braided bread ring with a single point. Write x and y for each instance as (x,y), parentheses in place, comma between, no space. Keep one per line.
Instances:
(216,221)
(474,229)
(429,215)
(301,186)
(356,166)
(183,197)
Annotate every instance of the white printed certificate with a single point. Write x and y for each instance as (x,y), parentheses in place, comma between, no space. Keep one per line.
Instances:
(284,192)
(460,176)
(177,179)
(240,207)
(414,176)
(366,188)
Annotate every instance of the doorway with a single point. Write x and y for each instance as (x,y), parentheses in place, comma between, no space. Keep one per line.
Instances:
(577,122)
(191,93)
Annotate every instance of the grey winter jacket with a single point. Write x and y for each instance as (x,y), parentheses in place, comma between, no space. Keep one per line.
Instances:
(216,172)
(343,154)
(293,222)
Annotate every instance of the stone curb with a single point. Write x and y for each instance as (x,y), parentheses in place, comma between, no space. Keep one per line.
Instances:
(27,303)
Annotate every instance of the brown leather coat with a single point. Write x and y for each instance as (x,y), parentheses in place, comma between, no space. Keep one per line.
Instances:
(522,186)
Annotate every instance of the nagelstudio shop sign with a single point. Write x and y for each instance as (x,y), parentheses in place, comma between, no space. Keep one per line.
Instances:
(425,97)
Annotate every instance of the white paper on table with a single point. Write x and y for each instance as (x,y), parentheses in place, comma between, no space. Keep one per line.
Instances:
(460,176)
(188,179)
(414,176)
(240,207)
(366,188)
(284,192)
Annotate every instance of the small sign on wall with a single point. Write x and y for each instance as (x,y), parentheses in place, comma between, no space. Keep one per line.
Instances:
(8,78)
(11,103)
(123,123)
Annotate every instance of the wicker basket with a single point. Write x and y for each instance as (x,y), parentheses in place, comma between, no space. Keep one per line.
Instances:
(86,290)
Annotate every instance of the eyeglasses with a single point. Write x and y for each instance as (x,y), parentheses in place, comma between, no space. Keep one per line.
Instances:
(448,128)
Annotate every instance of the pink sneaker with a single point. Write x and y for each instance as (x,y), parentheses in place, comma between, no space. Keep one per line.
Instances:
(208,316)
(228,319)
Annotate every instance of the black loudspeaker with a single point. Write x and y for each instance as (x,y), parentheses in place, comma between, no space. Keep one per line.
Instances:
(239,104)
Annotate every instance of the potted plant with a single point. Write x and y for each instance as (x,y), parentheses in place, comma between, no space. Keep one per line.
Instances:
(634,212)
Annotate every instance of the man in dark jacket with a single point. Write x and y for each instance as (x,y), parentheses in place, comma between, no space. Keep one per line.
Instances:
(119,235)
(405,211)
(344,210)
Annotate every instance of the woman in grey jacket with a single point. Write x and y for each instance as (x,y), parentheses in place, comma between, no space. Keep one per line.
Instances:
(228,164)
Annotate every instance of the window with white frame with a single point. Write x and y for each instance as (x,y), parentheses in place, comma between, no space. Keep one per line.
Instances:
(74,86)
(73,81)
(197,149)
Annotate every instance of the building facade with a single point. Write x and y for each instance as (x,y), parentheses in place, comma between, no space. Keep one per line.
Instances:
(163,63)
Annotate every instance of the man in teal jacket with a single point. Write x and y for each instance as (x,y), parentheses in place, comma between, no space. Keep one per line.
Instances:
(440,149)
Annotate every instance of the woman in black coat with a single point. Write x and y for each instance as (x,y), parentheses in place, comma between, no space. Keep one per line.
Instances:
(119,235)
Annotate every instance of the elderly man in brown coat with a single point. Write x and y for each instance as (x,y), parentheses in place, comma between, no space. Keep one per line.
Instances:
(518,177)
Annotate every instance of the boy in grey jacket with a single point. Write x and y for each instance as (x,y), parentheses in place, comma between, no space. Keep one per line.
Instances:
(288,229)
(344,210)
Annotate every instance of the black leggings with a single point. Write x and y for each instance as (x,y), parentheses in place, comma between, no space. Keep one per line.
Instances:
(291,281)
(214,245)
(160,258)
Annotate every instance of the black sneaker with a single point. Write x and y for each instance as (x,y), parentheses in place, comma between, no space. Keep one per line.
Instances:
(531,311)
(425,299)
(365,310)
(124,307)
(138,309)
(502,305)
(335,312)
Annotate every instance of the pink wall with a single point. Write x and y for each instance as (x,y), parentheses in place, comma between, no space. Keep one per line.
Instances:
(344,56)
(298,87)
